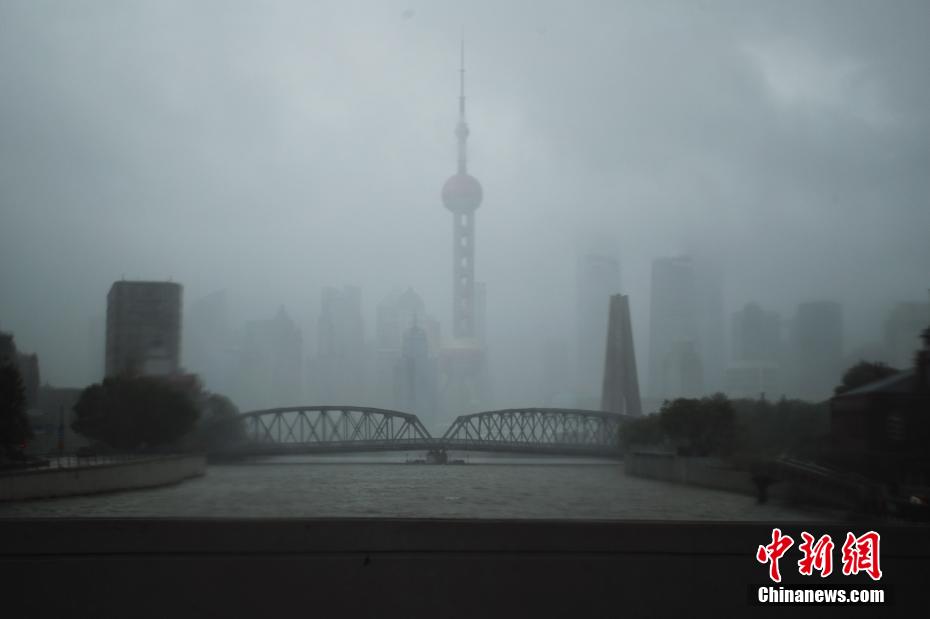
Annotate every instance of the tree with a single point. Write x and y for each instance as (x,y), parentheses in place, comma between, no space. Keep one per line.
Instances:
(646,430)
(701,427)
(768,428)
(14,424)
(219,424)
(863,373)
(136,412)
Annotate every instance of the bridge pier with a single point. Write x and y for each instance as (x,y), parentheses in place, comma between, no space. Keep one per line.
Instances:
(437,456)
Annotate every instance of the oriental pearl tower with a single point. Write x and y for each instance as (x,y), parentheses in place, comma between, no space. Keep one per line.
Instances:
(464,367)
(462,195)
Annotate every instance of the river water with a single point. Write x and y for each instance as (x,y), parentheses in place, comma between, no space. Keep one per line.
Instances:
(486,487)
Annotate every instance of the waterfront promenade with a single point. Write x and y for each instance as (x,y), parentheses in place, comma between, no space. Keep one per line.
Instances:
(80,476)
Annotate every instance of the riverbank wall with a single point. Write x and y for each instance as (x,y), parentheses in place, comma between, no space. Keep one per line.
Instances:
(704,472)
(144,472)
(796,485)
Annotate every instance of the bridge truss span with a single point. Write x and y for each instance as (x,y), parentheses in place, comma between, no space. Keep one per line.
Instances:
(553,431)
(330,429)
(345,429)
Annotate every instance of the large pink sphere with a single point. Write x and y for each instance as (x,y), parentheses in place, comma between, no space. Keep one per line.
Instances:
(462,193)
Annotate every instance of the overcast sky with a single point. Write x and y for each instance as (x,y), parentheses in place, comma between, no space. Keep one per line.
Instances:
(272,148)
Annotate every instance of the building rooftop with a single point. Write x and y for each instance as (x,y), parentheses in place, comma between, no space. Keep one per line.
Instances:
(125,282)
(902,382)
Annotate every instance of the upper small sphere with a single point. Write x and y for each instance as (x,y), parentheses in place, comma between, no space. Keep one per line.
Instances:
(462,193)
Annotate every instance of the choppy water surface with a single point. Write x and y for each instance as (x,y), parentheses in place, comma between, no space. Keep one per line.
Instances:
(489,488)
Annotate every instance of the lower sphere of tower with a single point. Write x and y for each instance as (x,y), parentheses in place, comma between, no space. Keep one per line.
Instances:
(462,193)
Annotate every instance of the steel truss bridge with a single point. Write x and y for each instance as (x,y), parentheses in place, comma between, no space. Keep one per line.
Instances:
(348,429)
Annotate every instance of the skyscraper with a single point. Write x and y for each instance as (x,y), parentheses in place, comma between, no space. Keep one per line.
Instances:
(395,314)
(682,371)
(96,348)
(557,379)
(340,365)
(464,370)
(621,384)
(481,322)
(674,351)
(143,328)
(597,279)
(270,368)
(903,326)
(818,348)
(416,378)
(755,353)
(208,341)
(712,325)
(755,334)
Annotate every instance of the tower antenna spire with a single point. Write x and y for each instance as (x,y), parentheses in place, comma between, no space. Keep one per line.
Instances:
(462,80)
(461,130)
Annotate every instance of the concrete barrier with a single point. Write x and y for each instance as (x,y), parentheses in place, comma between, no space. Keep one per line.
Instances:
(227,567)
(93,479)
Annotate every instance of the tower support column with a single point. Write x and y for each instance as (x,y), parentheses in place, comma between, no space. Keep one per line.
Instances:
(463,275)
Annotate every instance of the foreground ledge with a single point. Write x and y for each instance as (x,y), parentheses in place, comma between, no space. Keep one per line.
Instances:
(448,568)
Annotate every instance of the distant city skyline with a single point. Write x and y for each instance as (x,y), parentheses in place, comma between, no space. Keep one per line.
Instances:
(260,361)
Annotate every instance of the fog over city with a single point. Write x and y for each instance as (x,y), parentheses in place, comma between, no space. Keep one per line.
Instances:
(273,149)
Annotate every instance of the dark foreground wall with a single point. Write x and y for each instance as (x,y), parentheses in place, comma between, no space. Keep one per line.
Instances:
(420,568)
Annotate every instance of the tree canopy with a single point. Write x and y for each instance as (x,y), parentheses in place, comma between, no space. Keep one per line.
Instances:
(766,428)
(218,424)
(741,428)
(14,424)
(130,413)
(700,427)
(641,431)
